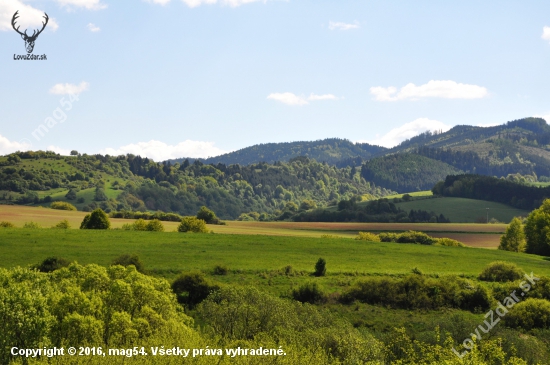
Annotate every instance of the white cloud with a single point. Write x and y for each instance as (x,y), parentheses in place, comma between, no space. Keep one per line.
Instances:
(93,28)
(231,3)
(293,99)
(342,26)
(288,98)
(86,4)
(7,146)
(160,2)
(546,117)
(546,33)
(29,18)
(314,97)
(408,130)
(60,150)
(64,89)
(160,151)
(446,89)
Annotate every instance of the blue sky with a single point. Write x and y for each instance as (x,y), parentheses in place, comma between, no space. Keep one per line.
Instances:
(198,78)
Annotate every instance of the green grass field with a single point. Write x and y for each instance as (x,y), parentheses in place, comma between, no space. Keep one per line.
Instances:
(174,252)
(475,235)
(465,210)
(413,194)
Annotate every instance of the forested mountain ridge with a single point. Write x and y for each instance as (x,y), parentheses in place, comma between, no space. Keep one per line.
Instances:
(328,150)
(135,183)
(520,147)
(405,172)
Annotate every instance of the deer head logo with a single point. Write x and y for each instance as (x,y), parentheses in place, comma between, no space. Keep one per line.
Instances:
(29,40)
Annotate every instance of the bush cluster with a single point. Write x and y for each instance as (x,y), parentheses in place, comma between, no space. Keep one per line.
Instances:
(420,292)
(192,224)
(96,220)
(501,271)
(154,225)
(62,206)
(408,237)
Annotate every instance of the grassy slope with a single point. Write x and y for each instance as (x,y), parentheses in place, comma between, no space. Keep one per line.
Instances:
(476,235)
(464,210)
(173,252)
(59,194)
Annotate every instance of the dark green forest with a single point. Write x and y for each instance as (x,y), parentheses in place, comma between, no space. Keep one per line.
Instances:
(330,150)
(135,183)
(405,172)
(492,189)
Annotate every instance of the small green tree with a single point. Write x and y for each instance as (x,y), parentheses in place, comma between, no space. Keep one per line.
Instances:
(51,264)
(514,237)
(537,226)
(155,225)
(192,288)
(100,195)
(192,224)
(71,195)
(127,260)
(96,220)
(64,224)
(207,215)
(308,204)
(320,267)
(62,206)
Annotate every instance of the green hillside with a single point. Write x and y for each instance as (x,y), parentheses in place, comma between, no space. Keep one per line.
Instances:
(139,184)
(329,150)
(405,172)
(462,210)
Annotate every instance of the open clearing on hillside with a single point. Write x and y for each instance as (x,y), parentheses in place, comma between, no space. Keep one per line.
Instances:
(476,235)
(173,252)
(465,210)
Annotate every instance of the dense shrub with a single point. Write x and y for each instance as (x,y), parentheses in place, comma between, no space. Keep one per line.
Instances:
(88,306)
(51,264)
(129,259)
(367,236)
(239,314)
(320,267)
(448,242)
(96,220)
(501,271)
(31,225)
(529,314)
(208,216)
(388,237)
(64,224)
(416,237)
(192,224)
(192,288)
(310,293)
(139,225)
(5,224)
(419,292)
(220,270)
(514,237)
(155,225)
(62,206)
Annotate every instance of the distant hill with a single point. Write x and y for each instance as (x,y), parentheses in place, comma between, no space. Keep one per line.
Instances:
(405,172)
(133,183)
(329,150)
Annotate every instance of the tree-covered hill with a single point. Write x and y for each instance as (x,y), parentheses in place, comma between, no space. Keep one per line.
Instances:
(490,188)
(135,183)
(404,172)
(327,150)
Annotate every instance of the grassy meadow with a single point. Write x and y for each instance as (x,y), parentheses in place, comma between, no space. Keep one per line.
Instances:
(465,210)
(475,235)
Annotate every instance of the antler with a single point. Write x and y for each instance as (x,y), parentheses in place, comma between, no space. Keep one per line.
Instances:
(43,24)
(15,16)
